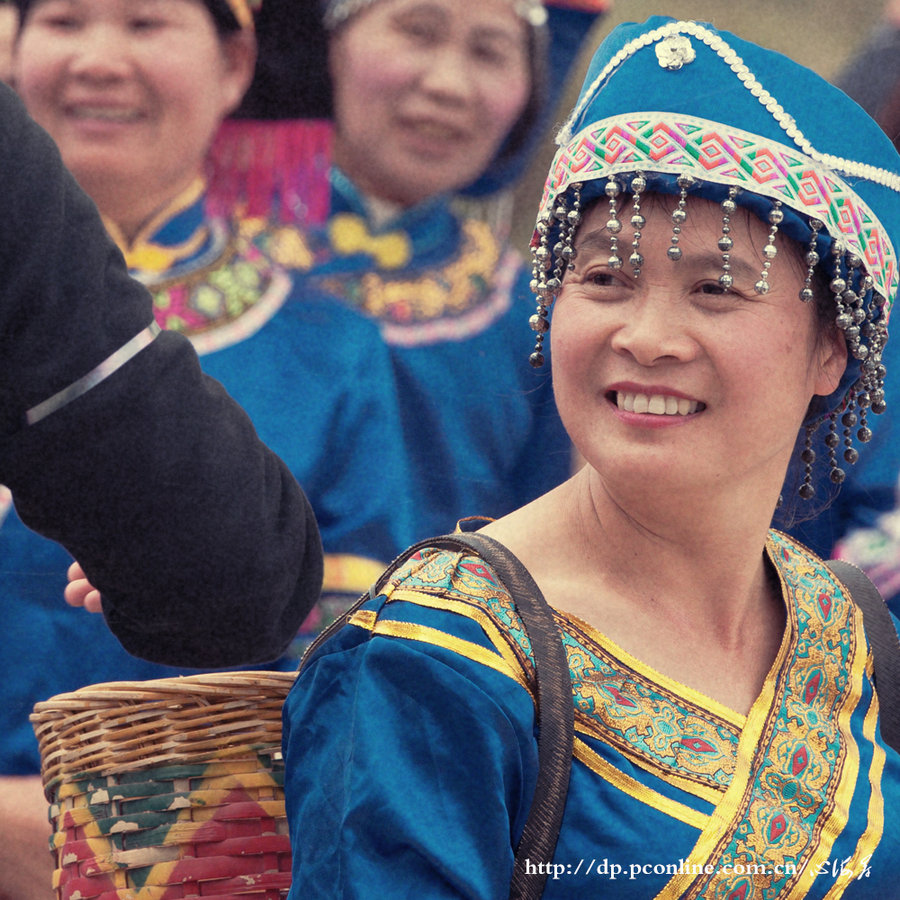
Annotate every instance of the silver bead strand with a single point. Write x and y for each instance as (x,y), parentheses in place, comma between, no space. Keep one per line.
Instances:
(729,206)
(679,217)
(613,223)
(539,322)
(573,220)
(776,217)
(638,186)
(812,260)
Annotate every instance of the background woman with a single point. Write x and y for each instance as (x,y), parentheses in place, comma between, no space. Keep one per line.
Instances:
(717,309)
(135,93)
(434,102)
(81,355)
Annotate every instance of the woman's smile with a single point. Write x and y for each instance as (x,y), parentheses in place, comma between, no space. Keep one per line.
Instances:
(655,404)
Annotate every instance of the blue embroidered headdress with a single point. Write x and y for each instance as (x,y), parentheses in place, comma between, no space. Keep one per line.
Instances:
(681,108)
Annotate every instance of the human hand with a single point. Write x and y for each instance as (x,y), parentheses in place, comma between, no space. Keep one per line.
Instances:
(80,592)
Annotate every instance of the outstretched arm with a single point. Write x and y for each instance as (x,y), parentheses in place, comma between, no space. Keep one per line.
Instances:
(115,444)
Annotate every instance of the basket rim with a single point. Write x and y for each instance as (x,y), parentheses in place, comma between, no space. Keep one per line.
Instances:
(238,685)
(112,728)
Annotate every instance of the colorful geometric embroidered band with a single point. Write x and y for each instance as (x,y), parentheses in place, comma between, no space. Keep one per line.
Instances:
(100,373)
(668,143)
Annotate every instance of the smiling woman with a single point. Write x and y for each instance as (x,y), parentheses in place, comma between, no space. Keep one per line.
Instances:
(716,245)
(425,93)
(437,101)
(133,92)
(671,347)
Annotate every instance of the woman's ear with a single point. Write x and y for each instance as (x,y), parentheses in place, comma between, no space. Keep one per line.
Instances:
(239,50)
(832,353)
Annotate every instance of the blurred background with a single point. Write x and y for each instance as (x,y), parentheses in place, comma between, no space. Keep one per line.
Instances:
(821,34)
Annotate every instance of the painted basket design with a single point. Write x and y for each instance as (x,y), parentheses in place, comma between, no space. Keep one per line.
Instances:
(168,789)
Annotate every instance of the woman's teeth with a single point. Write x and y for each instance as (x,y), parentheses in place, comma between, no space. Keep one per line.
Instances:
(105,114)
(656,404)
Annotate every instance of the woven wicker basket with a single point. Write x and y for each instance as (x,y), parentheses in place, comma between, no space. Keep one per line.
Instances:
(168,789)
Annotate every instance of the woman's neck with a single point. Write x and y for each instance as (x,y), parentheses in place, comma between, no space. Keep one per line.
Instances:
(665,551)
(132,238)
(135,215)
(680,548)
(380,212)
(685,588)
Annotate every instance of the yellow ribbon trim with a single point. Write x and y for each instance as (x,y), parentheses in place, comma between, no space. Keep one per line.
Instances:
(437,638)
(875,824)
(364,618)
(640,792)
(491,629)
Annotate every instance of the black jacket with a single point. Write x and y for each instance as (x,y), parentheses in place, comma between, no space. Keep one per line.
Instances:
(199,539)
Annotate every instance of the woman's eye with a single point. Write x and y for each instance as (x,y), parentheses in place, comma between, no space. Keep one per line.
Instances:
(145,23)
(492,54)
(715,296)
(62,21)
(601,279)
(421,31)
(713,287)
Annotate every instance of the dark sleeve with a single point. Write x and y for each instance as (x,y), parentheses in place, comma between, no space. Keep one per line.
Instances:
(199,539)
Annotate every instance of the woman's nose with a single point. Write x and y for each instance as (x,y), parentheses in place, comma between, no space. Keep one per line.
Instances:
(654,330)
(447,75)
(99,54)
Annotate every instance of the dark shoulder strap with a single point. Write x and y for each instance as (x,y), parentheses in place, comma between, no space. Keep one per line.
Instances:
(373,592)
(555,716)
(883,640)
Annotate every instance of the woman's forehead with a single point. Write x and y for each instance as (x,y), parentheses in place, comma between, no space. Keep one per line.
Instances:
(704,217)
(492,16)
(698,235)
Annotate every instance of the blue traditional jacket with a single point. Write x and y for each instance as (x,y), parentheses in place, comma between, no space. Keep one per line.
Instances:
(411,758)
(480,431)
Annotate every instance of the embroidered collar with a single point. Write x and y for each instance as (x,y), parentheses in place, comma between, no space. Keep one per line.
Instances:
(430,227)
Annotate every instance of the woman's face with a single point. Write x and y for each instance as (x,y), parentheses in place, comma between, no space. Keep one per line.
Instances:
(132,91)
(668,381)
(425,93)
